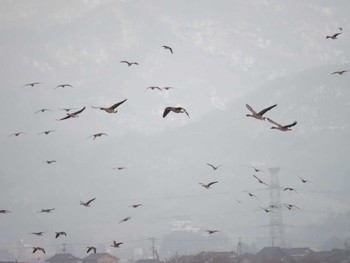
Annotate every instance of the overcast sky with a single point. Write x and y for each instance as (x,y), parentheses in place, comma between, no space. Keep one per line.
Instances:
(225,54)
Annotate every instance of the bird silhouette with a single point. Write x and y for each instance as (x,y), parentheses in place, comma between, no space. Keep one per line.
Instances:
(118,168)
(4,211)
(62,233)
(35,249)
(46,132)
(37,233)
(115,244)
(289,189)
(209,231)
(135,205)
(154,88)
(129,63)
(290,206)
(16,134)
(125,219)
(111,109)
(250,194)
(72,115)
(258,115)
(91,248)
(32,84)
(42,110)
(257,170)
(98,135)
(63,86)
(50,161)
(333,36)
(339,72)
(174,109)
(214,167)
(265,209)
(260,181)
(87,204)
(282,127)
(49,210)
(207,186)
(169,48)
(304,180)
(168,88)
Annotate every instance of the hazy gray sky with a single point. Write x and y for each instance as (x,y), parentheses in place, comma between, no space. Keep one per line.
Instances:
(226,54)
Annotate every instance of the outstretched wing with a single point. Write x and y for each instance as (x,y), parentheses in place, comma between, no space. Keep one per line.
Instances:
(267,109)
(88,202)
(211,183)
(186,112)
(117,104)
(273,122)
(79,111)
(290,125)
(250,109)
(166,111)
(64,118)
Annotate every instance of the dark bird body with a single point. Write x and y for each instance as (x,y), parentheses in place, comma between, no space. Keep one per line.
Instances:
(87,204)
(62,233)
(207,186)
(129,63)
(115,244)
(72,115)
(35,249)
(214,167)
(91,248)
(333,36)
(168,48)
(174,109)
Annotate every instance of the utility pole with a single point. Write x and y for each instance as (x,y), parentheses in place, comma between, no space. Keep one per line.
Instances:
(239,247)
(153,247)
(64,250)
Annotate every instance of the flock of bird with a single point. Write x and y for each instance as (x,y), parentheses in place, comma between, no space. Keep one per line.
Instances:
(259,115)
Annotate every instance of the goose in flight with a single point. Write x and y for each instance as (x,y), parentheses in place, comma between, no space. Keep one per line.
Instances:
(265,209)
(333,36)
(207,186)
(125,219)
(87,204)
(176,110)
(169,48)
(304,180)
(135,205)
(209,231)
(62,233)
(257,170)
(289,189)
(4,211)
(37,233)
(250,194)
(339,72)
(214,167)
(119,168)
(49,210)
(258,115)
(91,248)
(111,109)
(63,86)
(129,63)
(153,88)
(290,206)
(32,84)
(115,244)
(46,132)
(72,115)
(50,161)
(168,88)
(260,181)
(282,127)
(35,249)
(16,134)
(42,110)
(98,135)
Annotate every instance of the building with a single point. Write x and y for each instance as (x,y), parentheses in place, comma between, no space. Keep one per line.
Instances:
(63,258)
(100,258)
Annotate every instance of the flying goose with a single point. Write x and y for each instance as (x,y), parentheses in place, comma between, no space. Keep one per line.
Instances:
(37,233)
(49,210)
(168,88)
(176,110)
(42,110)
(260,181)
(303,180)
(290,206)
(4,211)
(63,86)
(46,132)
(153,88)
(257,170)
(289,189)
(125,219)
(118,168)
(250,194)
(72,115)
(207,186)
(87,204)
(129,63)
(16,134)
(97,135)
(265,209)
(169,48)
(115,244)
(258,115)
(32,84)
(339,72)
(135,205)
(62,233)
(89,248)
(333,36)
(214,167)
(35,249)
(282,127)
(50,161)
(209,231)
(111,109)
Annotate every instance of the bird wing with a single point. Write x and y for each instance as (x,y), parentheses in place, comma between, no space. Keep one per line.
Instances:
(212,166)
(186,112)
(267,109)
(117,104)
(211,183)
(290,125)
(273,122)
(250,109)
(79,111)
(88,202)
(337,34)
(64,118)
(166,111)
(124,61)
